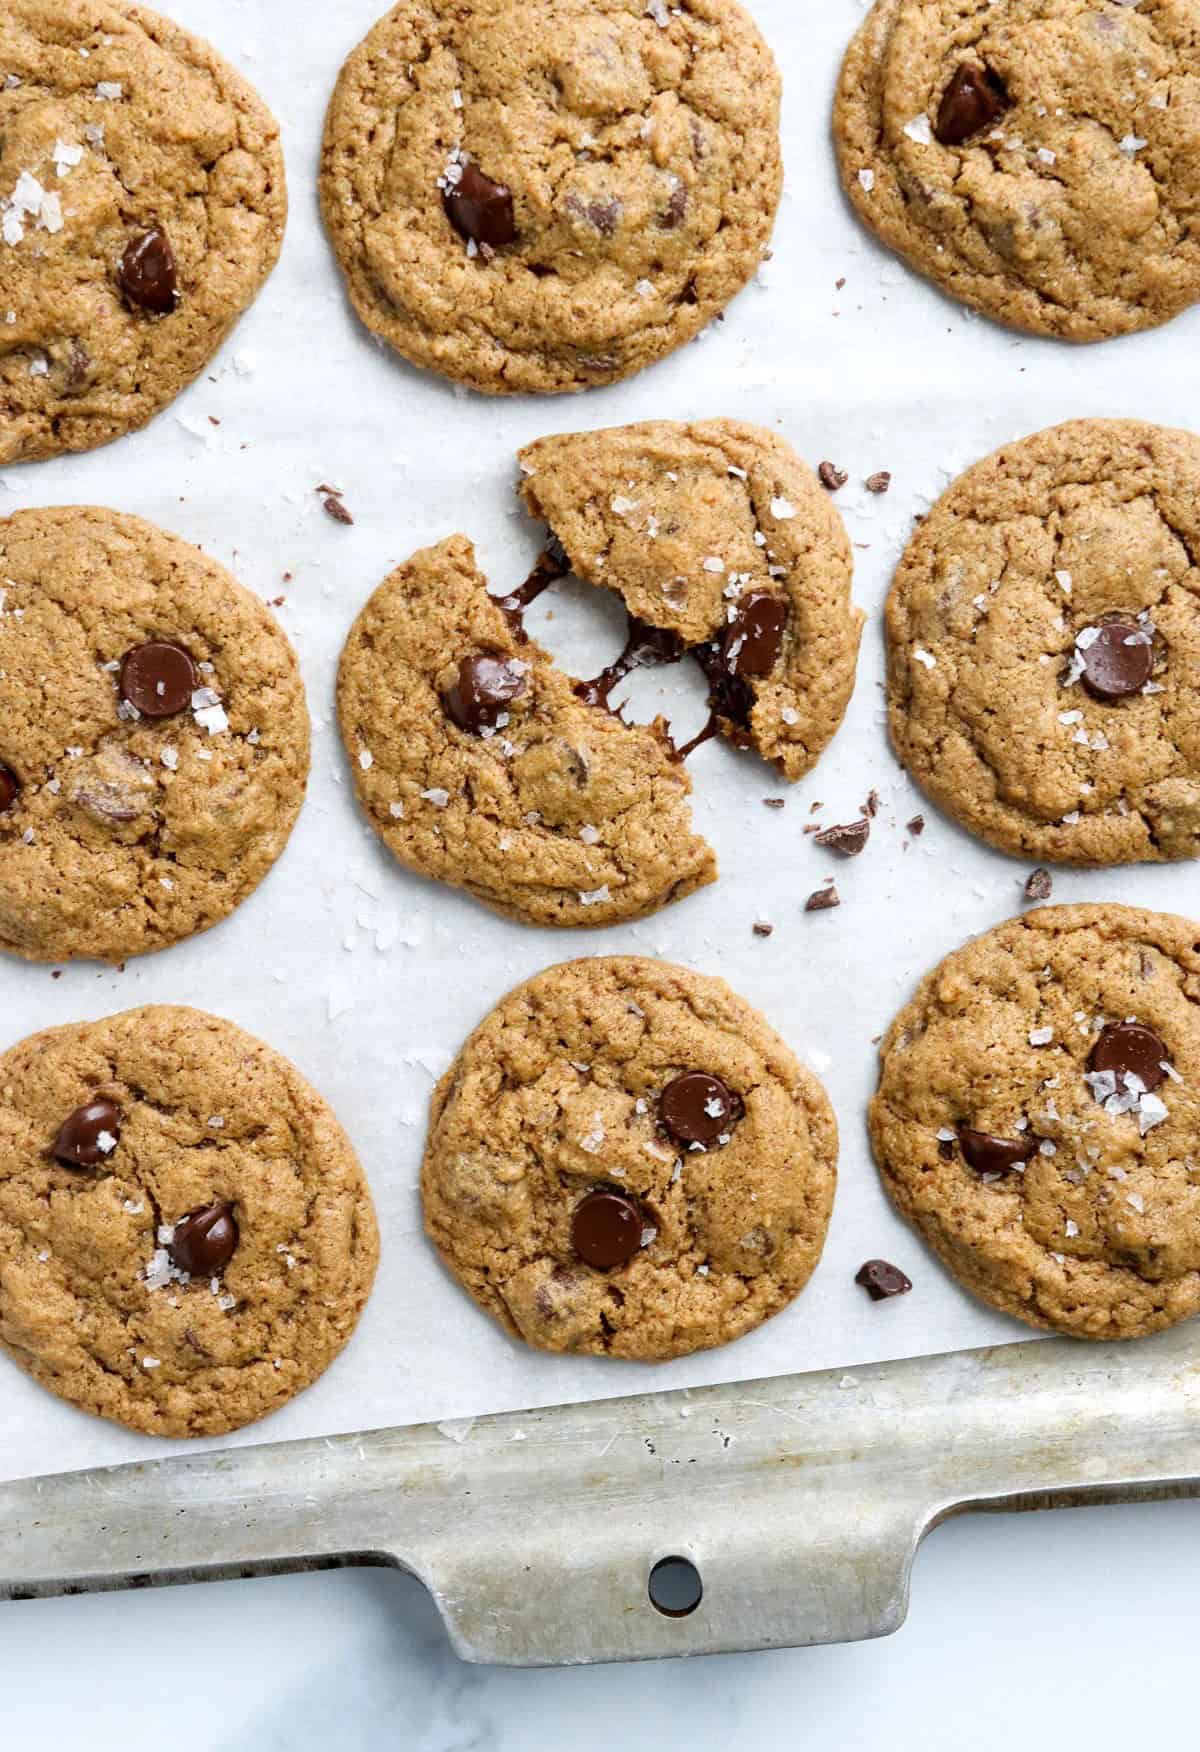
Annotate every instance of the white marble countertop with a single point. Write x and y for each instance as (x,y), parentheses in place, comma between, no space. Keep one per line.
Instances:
(1075,1626)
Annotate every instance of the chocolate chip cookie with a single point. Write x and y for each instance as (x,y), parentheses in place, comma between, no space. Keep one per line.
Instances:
(1044,643)
(1037,159)
(482,765)
(716,535)
(544,196)
(142,206)
(154,739)
(186,1237)
(625,1159)
(1037,1118)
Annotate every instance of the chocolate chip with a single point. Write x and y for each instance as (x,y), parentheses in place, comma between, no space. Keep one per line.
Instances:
(89,1135)
(754,635)
(676,209)
(148,274)
(831,476)
(602,216)
(479,209)
(697,1108)
(10,788)
(1117,661)
(881,1280)
(974,98)
(849,839)
(79,368)
(606,1228)
(205,1240)
(992,1155)
(158,678)
(1039,886)
(1129,1048)
(823,899)
(879,483)
(917,826)
(485,688)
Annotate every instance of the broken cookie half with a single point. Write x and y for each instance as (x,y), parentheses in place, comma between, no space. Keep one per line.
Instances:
(480,764)
(719,539)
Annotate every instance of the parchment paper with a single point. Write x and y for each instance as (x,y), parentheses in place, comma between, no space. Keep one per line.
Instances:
(368,977)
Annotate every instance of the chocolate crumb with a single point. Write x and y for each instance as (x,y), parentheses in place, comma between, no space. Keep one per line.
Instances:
(823,899)
(213,420)
(1039,886)
(831,476)
(871,806)
(917,826)
(763,930)
(849,839)
(881,1280)
(337,510)
(879,483)
(838,284)
(813,807)
(774,802)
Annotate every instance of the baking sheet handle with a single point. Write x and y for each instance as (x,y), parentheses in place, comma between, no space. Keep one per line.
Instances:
(799,1501)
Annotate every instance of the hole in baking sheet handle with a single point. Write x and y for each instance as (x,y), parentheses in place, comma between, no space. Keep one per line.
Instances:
(675,1587)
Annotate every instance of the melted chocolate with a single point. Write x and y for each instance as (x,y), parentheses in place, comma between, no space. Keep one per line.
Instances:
(551,565)
(645,646)
(749,646)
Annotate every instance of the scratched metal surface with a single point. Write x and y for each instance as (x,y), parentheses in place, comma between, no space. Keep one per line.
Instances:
(801,1501)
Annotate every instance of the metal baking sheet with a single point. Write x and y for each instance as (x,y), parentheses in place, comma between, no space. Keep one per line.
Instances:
(369,978)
